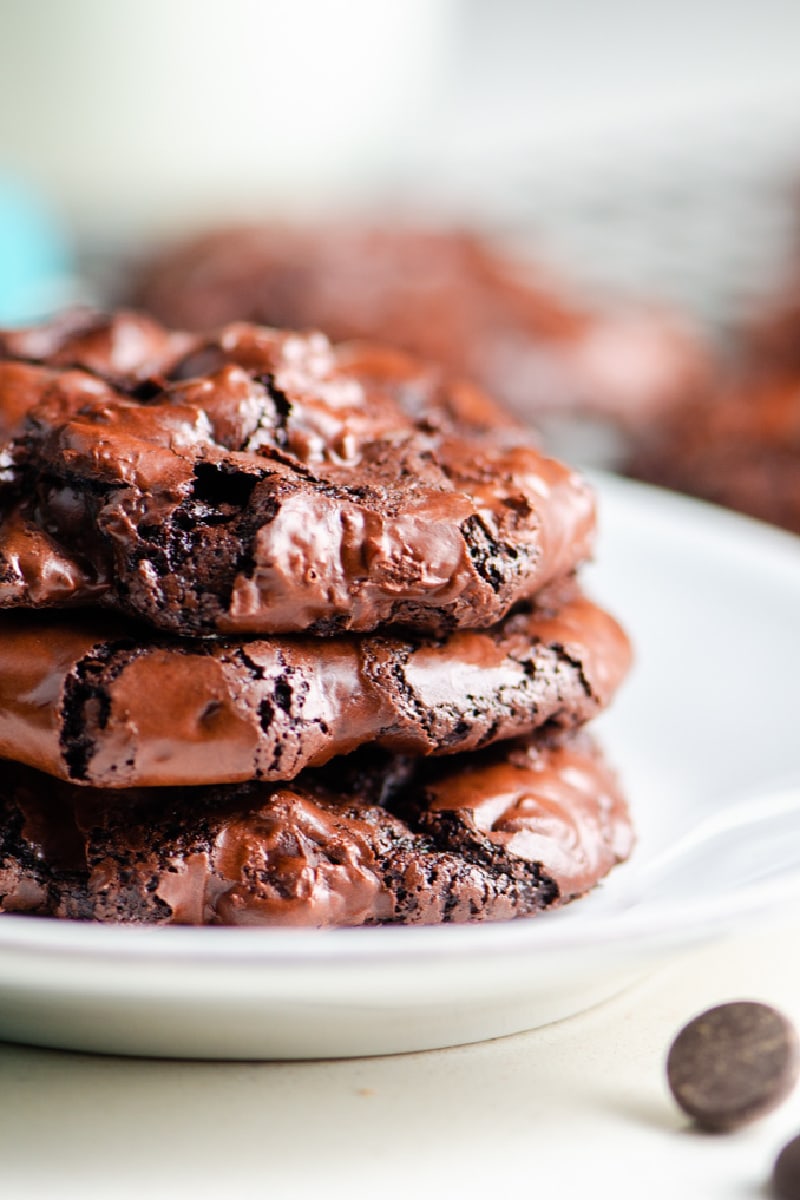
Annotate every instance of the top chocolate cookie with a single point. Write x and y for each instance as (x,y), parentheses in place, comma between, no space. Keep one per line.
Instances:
(258,481)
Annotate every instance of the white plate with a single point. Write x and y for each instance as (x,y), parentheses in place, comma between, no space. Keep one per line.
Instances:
(708,718)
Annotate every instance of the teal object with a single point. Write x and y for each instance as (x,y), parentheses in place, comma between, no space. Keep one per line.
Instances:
(36,262)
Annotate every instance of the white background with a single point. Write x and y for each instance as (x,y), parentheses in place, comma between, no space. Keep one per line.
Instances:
(574,1110)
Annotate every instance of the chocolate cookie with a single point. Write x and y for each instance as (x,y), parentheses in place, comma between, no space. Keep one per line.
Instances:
(502,834)
(126,350)
(266,482)
(773,336)
(449,297)
(741,450)
(89,701)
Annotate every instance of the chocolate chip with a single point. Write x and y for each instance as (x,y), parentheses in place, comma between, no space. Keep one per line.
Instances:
(786,1174)
(732,1064)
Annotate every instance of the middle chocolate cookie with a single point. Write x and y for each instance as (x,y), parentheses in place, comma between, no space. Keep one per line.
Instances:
(90,702)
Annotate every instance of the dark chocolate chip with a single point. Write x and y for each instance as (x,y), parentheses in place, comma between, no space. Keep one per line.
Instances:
(732,1064)
(786,1173)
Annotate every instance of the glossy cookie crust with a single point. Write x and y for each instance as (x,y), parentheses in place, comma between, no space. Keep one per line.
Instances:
(265,482)
(505,833)
(90,700)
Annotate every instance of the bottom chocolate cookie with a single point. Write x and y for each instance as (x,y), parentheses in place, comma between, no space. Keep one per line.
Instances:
(366,840)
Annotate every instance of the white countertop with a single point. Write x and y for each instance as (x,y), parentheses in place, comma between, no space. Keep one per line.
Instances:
(580,1106)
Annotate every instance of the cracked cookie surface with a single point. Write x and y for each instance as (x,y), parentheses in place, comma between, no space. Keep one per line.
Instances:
(264,482)
(504,833)
(88,699)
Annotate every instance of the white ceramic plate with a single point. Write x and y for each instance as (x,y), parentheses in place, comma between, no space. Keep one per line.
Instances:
(708,721)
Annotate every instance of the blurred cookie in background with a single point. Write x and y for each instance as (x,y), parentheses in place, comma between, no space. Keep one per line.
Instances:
(770,333)
(635,388)
(773,336)
(740,449)
(446,296)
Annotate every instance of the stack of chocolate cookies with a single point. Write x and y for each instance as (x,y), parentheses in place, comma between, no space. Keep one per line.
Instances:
(292,636)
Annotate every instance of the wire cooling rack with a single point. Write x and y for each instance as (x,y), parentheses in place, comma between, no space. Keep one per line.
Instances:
(709,234)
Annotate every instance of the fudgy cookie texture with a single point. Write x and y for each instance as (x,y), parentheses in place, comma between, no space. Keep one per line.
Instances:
(506,833)
(450,297)
(263,482)
(94,702)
